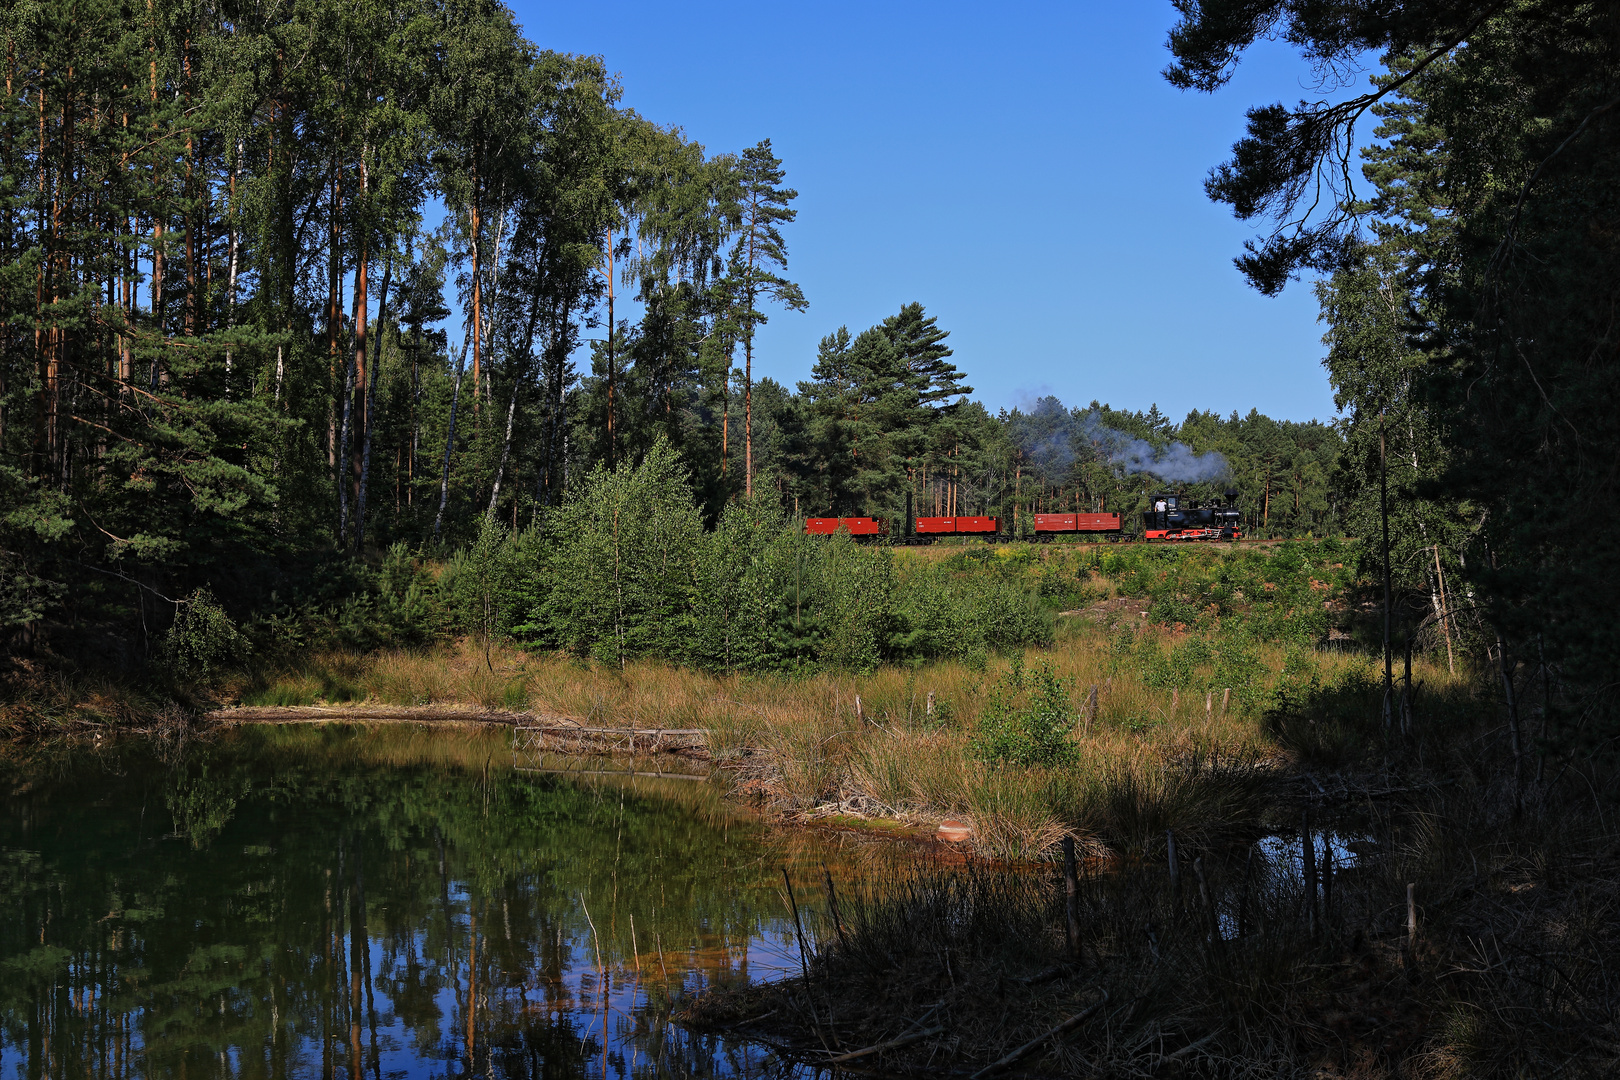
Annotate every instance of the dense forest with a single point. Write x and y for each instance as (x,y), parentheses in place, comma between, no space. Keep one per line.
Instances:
(1467,272)
(232,246)
(283,286)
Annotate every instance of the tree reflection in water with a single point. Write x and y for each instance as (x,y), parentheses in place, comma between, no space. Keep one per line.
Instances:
(372,903)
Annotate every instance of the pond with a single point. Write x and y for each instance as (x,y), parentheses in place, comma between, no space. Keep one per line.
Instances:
(377,902)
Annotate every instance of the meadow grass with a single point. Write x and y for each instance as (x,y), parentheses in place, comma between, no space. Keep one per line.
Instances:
(900,742)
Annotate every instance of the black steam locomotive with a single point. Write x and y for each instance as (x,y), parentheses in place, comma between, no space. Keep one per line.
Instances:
(1170,517)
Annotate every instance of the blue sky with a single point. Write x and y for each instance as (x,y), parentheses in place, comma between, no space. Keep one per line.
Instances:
(1023,171)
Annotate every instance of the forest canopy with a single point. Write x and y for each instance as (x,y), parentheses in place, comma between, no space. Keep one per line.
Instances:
(1469,270)
(233,239)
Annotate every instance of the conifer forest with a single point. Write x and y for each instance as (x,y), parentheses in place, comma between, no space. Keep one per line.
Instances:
(375,364)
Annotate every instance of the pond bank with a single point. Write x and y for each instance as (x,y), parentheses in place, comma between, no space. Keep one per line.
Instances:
(549,733)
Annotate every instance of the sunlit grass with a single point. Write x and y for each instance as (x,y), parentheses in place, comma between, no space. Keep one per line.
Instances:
(1189,720)
(896,742)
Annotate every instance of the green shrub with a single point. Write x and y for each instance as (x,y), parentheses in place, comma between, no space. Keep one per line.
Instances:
(480,584)
(202,637)
(620,565)
(737,617)
(1238,667)
(1028,719)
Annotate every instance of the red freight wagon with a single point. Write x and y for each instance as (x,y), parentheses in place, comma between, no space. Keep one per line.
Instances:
(857,526)
(929,527)
(947,526)
(1048,524)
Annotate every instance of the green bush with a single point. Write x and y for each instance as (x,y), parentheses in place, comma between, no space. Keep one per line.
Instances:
(482,584)
(620,563)
(1028,719)
(740,617)
(202,637)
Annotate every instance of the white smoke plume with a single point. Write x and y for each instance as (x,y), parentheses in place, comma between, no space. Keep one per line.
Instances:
(1176,463)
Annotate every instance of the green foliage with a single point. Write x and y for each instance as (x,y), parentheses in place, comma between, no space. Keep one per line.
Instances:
(625,569)
(407,605)
(1478,380)
(24,596)
(1238,666)
(202,637)
(1028,719)
(481,582)
(622,572)
(877,404)
(1280,596)
(739,615)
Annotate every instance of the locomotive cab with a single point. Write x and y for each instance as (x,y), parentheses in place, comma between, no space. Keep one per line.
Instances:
(1170,517)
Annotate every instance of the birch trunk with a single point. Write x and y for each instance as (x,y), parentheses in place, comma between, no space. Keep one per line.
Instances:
(450,436)
(230,286)
(511,412)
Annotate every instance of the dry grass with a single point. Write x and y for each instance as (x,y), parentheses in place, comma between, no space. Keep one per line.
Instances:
(1148,761)
(40,699)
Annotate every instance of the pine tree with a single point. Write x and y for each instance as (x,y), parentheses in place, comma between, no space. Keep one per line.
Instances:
(759,252)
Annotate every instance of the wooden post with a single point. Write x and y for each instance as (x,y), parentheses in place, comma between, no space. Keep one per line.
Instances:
(1243,897)
(1308,864)
(1406,690)
(1411,916)
(1209,705)
(1506,670)
(1327,881)
(1071,884)
(1225,694)
(1206,900)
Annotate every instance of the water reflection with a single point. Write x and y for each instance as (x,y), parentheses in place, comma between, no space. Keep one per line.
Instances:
(372,903)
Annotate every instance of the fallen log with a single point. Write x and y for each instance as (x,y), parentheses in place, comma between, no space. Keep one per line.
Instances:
(318,714)
(533,730)
(892,1044)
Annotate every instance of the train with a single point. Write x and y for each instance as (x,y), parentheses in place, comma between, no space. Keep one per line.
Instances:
(1169,517)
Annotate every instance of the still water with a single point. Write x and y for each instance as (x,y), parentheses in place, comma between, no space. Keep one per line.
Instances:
(382,902)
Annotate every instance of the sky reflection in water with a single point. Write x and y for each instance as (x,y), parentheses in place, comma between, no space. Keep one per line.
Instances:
(386,902)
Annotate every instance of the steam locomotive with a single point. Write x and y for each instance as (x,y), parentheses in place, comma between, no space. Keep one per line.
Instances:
(1168,517)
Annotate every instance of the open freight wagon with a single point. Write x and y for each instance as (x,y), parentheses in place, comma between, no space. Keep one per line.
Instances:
(925,530)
